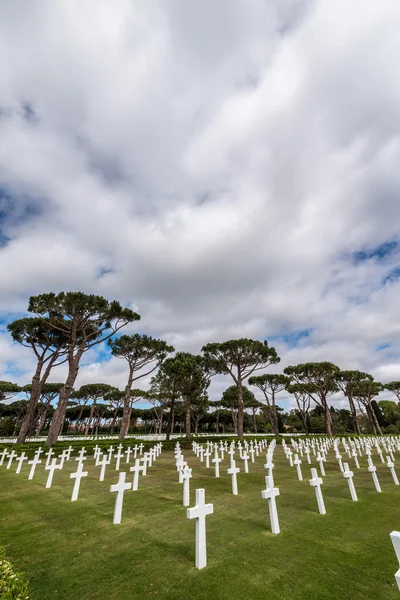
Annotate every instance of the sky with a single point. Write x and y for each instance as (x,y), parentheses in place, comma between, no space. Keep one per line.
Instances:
(225,168)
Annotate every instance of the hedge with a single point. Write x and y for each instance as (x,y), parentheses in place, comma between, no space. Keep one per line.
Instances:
(12,585)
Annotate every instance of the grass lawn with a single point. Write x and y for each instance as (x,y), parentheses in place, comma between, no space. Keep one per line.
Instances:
(72,551)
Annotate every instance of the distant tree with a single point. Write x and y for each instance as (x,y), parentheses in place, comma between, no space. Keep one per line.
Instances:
(394,387)
(199,409)
(239,359)
(48,393)
(49,346)
(144,355)
(94,393)
(303,401)
(364,394)
(229,400)
(86,321)
(390,412)
(115,401)
(8,390)
(192,385)
(317,379)
(270,385)
(347,381)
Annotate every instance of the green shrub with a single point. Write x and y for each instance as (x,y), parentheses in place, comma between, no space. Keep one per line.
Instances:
(12,585)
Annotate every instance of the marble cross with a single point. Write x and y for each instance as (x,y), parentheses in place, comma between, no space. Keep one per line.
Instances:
(347,474)
(355,456)
(270,494)
(251,451)
(372,470)
(77,476)
(339,459)
(395,537)
(199,512)
(269,465)
(128,454)
(49,455)
(216,460)
(11,457)
(120,488)
(20,460)
(34,462)
(51,468)
(3,455)
(297,462)
(320,460)
(234,470)
(307,451)
(207,454)
(316,483)
(103,462)
(144,460)
(390,464)
(245,458)
(136,470)
(186,476)
(81,456)
(119,454)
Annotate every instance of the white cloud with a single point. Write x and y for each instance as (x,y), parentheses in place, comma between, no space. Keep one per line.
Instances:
(215,164)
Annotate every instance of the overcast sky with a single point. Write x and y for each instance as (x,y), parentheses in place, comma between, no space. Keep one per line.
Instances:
(227,168)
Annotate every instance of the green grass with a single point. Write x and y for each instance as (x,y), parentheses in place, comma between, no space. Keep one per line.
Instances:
(72,551)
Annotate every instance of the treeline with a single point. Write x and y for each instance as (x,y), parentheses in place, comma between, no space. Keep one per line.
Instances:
(65,326)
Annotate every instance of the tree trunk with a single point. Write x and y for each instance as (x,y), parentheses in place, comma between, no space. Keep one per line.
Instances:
(90,416)
(328,419)
(235,421)
(240,414)
(374,419)
(217,422)
(170,421)
(187,421)
(254,420)
(123,432)
(196,425)
(61,410)
(354,415)
(32,404)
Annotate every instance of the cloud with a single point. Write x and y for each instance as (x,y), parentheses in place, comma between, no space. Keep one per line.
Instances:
(230,169)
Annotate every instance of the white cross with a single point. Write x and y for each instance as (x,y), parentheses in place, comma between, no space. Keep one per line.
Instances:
(186,476)
(316,482)
(103,462)
(339,459)
(20,460)
(307,451)
(201,452)
(297,462)
(77,476)
(216,460)
(120,488)
(145,459)
(233,471)
(252,453)
(269,465)
(141,448)
(118,457)
(69,450)
(51,468)
(380,453)
(128,454)
(289,456)
(81,456)
(199,512)
(390,464)
(320,460)
(270,494)
(347,474)
(135,449)
(11,457)
(62,457)
(34,462)
(395,537)
(372,470)
(110,453)
(136,470)
(207,454)
(245,458)
(355,456)
(3,455)
(49,455)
